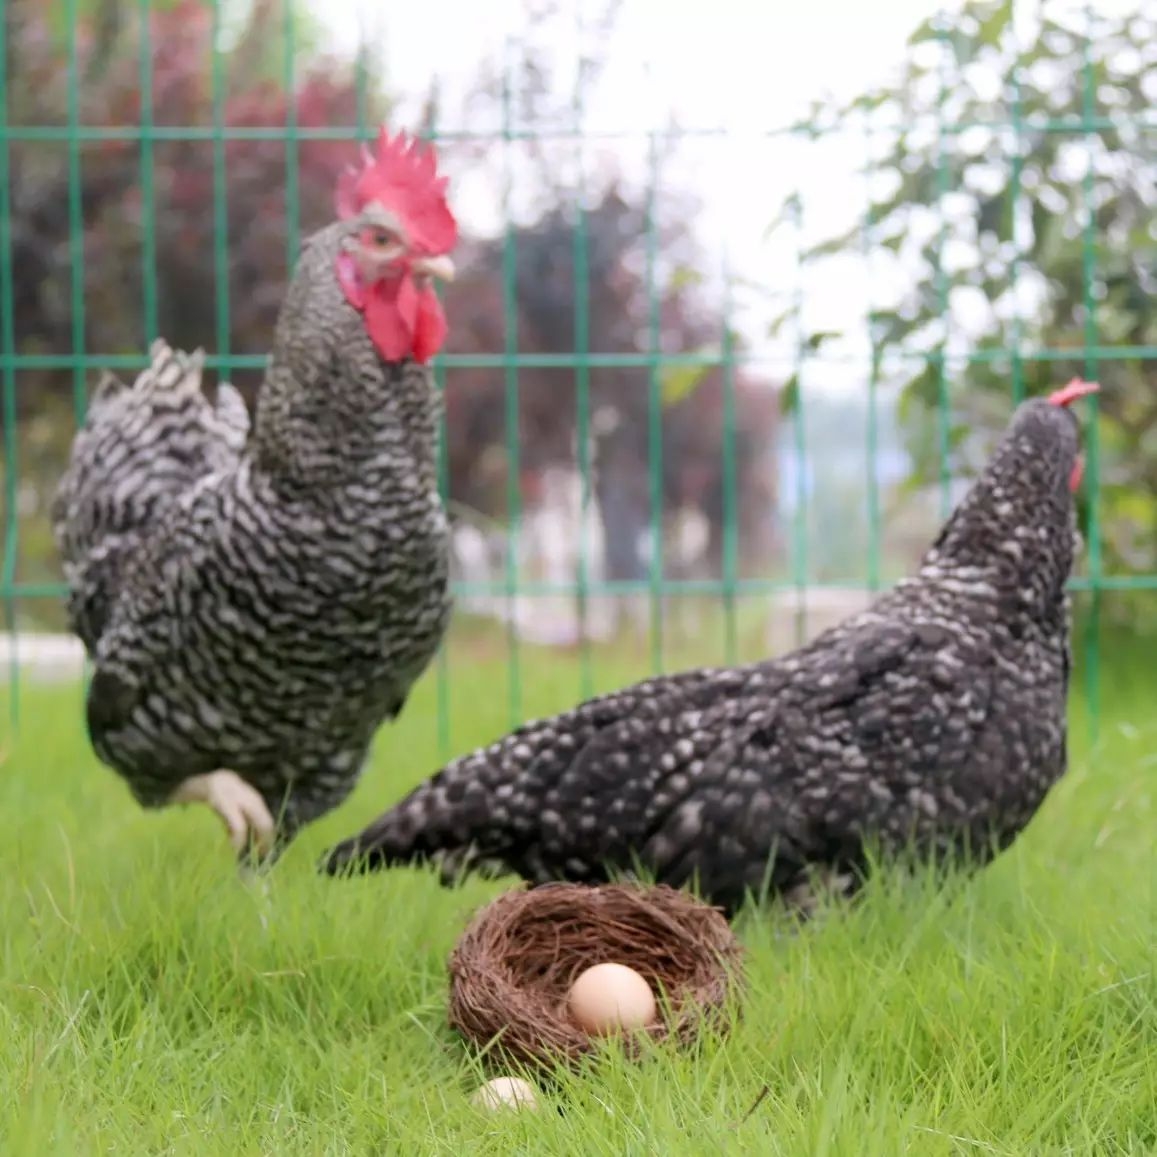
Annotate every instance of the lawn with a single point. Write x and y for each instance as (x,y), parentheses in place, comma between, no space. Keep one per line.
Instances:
(152,1005)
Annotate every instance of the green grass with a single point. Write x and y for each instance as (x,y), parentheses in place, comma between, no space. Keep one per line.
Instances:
(150,1004)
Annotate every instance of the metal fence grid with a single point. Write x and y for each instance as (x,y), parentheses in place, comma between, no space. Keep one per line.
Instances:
(83,363)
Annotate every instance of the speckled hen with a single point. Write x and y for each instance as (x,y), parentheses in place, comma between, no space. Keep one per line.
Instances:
(934,721)
(257,602)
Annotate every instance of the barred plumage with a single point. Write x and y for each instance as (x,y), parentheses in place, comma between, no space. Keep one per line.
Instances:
(934,721)
(261,601)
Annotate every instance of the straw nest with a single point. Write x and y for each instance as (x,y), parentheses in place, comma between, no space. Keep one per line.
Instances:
(513,966)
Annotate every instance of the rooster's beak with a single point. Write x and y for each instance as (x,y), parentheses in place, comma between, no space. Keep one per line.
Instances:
(440,267)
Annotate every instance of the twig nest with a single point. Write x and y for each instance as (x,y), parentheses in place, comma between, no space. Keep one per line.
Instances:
(514,968)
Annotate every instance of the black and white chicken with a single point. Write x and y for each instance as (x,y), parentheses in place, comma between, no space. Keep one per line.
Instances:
(934,721)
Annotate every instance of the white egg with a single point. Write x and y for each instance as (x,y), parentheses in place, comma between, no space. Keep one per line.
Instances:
(505,1093)
(609,997)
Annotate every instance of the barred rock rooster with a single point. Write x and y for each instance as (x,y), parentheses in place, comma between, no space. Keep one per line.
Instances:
(934,722)
(256,602)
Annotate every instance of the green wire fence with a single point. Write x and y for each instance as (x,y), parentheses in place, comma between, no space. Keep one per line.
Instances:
(510,360)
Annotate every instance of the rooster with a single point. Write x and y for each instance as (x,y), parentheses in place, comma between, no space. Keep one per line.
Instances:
(256,602)
(934,721)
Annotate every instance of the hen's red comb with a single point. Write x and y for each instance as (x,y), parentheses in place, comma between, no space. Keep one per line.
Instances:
(1077,388)
(403,178)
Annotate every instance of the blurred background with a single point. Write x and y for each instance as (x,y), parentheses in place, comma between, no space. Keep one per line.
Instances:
(745,296)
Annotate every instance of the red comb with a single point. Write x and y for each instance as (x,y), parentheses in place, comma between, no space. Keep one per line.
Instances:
(1077,388)
(403,178)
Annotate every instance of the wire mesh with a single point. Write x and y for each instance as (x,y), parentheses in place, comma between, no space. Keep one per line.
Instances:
(511,360)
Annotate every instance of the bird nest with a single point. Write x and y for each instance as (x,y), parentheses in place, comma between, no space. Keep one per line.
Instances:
(511,971)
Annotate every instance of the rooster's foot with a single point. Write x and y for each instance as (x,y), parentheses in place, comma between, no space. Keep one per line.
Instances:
(241,808)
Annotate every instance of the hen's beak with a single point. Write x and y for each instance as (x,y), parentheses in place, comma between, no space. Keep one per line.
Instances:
(439,267)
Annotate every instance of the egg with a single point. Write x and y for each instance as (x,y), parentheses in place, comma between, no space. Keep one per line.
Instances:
(609,997)
(505,1093)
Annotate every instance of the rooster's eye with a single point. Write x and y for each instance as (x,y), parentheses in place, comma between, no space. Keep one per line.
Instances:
(382,238)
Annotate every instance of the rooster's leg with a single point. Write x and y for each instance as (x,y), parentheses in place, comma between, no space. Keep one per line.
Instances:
(241,808)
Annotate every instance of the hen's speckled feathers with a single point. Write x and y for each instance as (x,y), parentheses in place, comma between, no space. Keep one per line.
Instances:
(935,719)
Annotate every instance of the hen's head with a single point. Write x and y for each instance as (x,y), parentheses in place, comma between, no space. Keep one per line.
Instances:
(399,234)
(1049,427)
(1018,517)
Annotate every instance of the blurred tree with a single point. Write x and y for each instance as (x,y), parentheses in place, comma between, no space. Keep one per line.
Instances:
(691,408)
(716,428)
(1014,193)
(110,178)
(126,232)
(93,214)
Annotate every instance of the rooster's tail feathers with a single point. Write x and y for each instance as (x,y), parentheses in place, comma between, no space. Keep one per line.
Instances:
(141,448)
(232,416)
(171,380)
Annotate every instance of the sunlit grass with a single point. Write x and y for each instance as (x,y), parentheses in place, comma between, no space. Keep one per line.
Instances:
(151,1004)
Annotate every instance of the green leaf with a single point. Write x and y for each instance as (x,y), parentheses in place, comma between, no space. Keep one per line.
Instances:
(832,246)
(789,395)
(995,24)
(994,216)
(928,30)
(679,382)
(685,277)
(816,340)
(871,101)
(787,214)
(775,326)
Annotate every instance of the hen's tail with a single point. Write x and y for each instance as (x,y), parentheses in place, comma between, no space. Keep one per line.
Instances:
(141,447)
(500,808)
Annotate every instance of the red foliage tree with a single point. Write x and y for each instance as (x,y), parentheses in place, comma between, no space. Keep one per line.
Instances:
(697,446)
(165,222)
(251,218)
